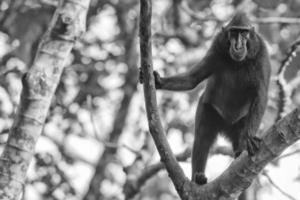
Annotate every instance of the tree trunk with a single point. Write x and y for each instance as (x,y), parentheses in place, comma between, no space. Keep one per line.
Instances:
(39,85)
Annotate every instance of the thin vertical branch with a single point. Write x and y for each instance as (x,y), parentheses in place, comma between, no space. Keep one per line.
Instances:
(155,126)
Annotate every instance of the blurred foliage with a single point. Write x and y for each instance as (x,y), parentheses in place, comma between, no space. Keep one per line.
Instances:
(87,145)
(272,4)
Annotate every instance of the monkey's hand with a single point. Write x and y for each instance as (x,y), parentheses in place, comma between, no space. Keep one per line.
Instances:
(200,178)
(156,75)
(141,75)
(157,80)
(253,143)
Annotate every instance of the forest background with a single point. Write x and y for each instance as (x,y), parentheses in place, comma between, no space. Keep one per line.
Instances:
(95,142)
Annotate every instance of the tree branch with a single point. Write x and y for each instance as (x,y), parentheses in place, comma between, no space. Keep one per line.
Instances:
(155,125)
(266,20)
(284,92)
(39,85)
(133,185)
(287,195)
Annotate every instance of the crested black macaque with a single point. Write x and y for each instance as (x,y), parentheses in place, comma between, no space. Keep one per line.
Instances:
(238,71)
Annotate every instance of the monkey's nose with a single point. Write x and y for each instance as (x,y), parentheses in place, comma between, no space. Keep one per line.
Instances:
(239,43)
(238,46)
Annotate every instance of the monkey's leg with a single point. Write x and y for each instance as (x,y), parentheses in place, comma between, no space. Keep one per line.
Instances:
(235,133)
(207,125)
(241,139)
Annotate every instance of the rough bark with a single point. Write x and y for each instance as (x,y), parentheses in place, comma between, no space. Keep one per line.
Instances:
(39,85)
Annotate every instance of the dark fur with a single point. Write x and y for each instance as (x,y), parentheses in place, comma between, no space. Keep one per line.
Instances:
(235,96)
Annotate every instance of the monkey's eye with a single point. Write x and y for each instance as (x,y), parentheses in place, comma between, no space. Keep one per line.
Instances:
(237,32)
(233,34)
(244,34)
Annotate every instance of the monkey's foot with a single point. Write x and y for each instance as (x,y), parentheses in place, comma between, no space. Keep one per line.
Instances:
(253,144)
(200,178)
(237,154)
(157,80)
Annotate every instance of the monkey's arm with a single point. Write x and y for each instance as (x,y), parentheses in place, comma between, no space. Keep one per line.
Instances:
(257,111)
(259,102)
(189,79)
(254,118)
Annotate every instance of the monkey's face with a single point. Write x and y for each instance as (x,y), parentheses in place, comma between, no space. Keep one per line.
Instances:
(238,39)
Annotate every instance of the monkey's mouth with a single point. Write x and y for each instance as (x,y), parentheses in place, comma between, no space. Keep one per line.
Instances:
(238,54)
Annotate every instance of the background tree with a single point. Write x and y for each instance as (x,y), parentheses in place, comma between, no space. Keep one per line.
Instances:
(39,85)
(96,139)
